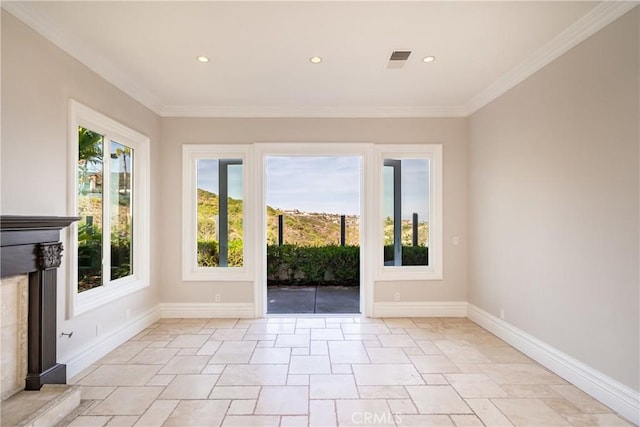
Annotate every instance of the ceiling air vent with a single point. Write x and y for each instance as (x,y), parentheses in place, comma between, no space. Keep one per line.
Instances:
(398,58)
(400,55)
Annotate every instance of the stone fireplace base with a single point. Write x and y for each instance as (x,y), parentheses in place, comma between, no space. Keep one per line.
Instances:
(13,333)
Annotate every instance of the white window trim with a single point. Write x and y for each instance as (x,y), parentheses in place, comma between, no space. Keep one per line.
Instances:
(306,149)
(190,269)
(434,271)
(81,115)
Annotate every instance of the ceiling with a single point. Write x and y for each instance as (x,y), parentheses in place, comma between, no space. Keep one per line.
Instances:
(259,52)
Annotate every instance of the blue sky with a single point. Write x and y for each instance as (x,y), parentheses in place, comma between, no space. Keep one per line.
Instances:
(324,184)
(415,189)
(208,177)
(314,184)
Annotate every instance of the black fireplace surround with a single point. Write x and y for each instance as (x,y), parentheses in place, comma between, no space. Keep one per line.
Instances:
(31,245)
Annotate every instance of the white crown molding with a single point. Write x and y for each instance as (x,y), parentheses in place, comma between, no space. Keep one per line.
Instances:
(595,20)
(612,393)
(420,309)
(313,112)
(102,66)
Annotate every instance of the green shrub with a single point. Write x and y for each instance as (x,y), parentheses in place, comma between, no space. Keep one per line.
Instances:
(90,257)
(208,253)
(306,265)
(313,265)
(120,257)
(411,255)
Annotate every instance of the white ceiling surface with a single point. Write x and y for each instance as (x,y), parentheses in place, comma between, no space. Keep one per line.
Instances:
(260,52)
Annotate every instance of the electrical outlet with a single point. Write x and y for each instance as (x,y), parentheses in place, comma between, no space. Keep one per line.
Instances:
(502,313)
(456,240)
(217,297)
(396,296)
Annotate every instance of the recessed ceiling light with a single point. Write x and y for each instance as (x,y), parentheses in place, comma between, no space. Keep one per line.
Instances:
(202,59)
(428,59)
(315,60)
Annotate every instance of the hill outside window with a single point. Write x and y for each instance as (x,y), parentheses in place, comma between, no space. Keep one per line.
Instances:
(214,210)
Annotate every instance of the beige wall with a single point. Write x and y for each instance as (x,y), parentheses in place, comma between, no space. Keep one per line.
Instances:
(452,133)
(550,172)
(554,223)
(37,81)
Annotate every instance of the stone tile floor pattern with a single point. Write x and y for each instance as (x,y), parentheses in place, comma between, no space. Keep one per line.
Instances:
(327,371)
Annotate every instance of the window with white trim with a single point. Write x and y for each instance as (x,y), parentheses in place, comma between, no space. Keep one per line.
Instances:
(215,212)
(410,212)
(110,193)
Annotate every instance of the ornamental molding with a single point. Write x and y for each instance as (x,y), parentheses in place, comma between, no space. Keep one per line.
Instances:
(50,255)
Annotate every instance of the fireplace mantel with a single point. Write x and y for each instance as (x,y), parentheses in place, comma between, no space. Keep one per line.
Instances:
(31,245)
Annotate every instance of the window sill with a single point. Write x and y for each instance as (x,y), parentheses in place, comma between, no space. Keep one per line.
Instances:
(387,274)
(94,298)
(222,274)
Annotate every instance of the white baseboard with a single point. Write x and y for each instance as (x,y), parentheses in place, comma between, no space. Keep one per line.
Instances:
(207,310)
(612,393)
(100,347)
(420,309)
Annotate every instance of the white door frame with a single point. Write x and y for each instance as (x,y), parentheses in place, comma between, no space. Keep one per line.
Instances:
(367,179)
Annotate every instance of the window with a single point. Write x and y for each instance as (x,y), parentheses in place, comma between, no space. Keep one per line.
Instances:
(110,188)
(406,212)
(214,212)
(220,231)
(410,226)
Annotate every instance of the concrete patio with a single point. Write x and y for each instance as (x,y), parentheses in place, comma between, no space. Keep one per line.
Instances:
(313,299)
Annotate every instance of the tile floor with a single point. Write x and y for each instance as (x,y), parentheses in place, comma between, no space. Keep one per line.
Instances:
(327,371)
